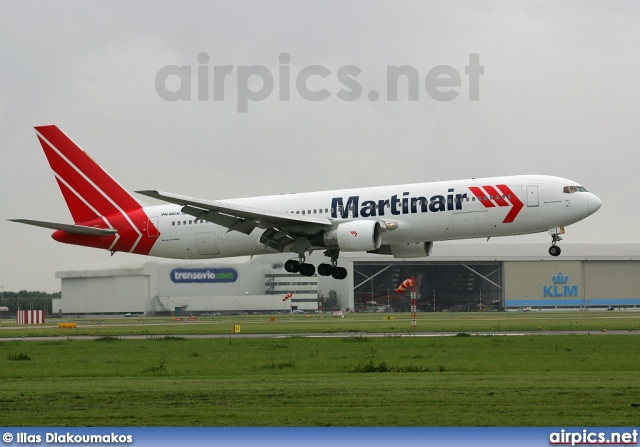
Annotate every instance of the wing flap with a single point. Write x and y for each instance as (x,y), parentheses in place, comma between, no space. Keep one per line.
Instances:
(230,222)
(69,228)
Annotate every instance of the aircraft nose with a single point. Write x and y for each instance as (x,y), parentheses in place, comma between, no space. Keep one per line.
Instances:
(593,203)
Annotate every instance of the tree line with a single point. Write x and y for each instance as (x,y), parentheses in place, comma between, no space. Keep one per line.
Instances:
(27,300)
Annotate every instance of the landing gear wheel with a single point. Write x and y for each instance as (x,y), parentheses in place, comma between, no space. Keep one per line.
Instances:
(339,273)
(292,266)
(325,269)
(307,269)
(554,250)
(332,269)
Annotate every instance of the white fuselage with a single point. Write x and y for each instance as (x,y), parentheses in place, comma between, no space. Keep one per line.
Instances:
(420,212)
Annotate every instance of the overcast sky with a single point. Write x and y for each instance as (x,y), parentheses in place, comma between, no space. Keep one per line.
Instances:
(560,95)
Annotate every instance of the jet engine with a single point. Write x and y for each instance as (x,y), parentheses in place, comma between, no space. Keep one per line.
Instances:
(357,235)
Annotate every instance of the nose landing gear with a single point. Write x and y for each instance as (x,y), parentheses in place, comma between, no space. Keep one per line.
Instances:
(555,233)
(554,250)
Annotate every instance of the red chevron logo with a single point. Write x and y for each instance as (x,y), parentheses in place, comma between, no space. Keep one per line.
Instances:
(490,197)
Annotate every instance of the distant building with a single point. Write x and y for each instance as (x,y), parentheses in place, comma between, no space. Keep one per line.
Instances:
(464,277)
(152,288)
(304,288)
(457,277)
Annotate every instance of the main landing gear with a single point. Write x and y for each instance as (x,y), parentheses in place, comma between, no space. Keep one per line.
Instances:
(293,266)
(325,269)
(332,270)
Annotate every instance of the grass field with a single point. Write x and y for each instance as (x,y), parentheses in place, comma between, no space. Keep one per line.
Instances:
(356,323)
(564,380)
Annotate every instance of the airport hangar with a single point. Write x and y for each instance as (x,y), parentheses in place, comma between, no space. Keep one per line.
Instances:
(456,277)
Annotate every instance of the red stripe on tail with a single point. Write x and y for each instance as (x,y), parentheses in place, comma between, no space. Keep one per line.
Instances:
(74,167)
(94,198)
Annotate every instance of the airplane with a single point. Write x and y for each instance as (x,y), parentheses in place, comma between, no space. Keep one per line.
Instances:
(398,220)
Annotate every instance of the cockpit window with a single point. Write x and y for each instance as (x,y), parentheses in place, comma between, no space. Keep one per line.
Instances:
(572,189)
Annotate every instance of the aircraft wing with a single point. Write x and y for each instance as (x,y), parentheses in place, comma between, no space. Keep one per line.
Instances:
(69,228)
(242,218)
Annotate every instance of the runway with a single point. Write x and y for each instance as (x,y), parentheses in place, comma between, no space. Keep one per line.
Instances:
(333,335)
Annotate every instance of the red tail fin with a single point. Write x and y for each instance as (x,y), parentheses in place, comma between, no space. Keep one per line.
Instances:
(95,199)
(88,190)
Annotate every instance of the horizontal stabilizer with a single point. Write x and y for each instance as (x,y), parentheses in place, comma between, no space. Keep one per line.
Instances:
(75,229)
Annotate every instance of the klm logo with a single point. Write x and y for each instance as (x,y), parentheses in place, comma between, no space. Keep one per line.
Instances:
(560,287)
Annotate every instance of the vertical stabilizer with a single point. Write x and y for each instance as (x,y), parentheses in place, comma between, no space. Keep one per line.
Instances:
(94,199)
(88,189)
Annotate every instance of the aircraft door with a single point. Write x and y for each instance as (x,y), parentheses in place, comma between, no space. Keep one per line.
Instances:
(532,195)
(206,243)
(153,226)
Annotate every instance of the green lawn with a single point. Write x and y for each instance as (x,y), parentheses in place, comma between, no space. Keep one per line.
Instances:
(558,380)
(359,323)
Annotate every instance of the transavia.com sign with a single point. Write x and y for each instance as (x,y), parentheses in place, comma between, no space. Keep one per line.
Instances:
(204,275)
